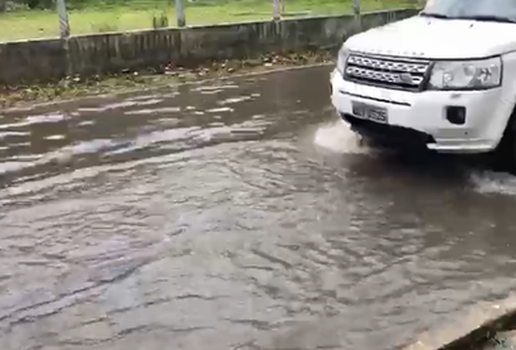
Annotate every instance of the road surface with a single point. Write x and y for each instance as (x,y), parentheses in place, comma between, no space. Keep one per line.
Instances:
(239,214)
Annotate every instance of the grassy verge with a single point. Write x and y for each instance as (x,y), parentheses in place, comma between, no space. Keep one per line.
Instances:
(101,17)
(77,87)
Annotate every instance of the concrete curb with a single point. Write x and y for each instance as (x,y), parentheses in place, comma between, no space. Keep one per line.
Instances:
(471,330)
(87,98)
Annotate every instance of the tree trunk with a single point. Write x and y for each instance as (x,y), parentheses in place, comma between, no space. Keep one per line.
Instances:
(3,5)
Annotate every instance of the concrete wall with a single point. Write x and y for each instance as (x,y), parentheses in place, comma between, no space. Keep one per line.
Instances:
(29,61)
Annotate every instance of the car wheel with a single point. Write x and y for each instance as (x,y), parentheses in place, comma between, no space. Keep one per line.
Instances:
(505,153)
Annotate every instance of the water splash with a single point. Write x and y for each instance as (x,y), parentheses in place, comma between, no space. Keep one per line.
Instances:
(337,137)
(488,182)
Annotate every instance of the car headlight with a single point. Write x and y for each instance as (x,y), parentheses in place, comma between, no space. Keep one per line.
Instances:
(341,59)
(466,75)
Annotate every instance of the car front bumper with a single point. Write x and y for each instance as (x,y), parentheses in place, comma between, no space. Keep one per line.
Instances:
(424,114)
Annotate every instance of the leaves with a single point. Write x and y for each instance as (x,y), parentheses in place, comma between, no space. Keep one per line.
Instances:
(171,73)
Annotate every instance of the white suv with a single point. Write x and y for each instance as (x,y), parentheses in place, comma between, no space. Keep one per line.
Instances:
(444,79)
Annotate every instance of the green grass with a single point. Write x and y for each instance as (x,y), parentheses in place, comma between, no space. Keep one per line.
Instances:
(28,24)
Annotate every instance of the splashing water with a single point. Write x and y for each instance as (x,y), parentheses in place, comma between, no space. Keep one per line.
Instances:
(337,137)
(494,183)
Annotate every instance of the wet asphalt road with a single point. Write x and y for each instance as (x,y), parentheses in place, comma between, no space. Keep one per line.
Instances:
(239,214)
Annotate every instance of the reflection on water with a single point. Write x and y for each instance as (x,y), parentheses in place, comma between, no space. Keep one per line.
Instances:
(239,215)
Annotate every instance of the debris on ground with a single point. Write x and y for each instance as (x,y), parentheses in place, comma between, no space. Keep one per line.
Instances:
(170,74)
(502,341)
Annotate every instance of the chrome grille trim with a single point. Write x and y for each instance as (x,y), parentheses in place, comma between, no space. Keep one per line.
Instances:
(387,77)
(390,72)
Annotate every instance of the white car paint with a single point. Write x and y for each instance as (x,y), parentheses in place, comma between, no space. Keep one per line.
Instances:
(437,38)
(488,110)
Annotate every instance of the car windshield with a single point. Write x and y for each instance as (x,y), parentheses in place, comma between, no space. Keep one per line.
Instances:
(472,9)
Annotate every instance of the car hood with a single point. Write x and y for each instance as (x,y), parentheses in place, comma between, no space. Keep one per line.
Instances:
(426,37)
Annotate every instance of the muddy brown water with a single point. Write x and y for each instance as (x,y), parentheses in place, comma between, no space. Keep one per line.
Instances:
(238,214)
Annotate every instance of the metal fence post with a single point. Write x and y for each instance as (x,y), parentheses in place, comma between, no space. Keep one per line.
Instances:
(180,13)
(356,13)
(64,24)
(276,11)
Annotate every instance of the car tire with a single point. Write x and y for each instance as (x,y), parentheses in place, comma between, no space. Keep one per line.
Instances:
(505,153)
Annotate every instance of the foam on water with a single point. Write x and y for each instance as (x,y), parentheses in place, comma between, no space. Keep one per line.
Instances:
(488,182)
(337,137)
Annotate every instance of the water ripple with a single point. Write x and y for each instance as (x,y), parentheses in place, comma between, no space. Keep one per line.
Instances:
(236,215)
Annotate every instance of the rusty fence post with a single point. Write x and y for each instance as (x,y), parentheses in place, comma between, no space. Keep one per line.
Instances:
(180,14)
(64,23)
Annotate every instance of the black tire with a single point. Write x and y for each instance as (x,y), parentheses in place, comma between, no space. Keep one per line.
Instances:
(504,157)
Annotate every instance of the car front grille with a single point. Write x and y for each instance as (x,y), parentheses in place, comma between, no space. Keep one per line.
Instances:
(389,72)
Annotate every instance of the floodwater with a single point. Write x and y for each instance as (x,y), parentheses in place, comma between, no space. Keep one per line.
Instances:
(238,214)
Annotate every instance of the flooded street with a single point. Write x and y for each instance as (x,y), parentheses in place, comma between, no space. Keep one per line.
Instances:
(238,214)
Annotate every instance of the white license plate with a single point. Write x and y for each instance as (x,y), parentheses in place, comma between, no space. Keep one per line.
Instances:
(370,112)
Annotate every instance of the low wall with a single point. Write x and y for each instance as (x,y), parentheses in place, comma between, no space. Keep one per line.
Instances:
(40,60)
(473,328)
